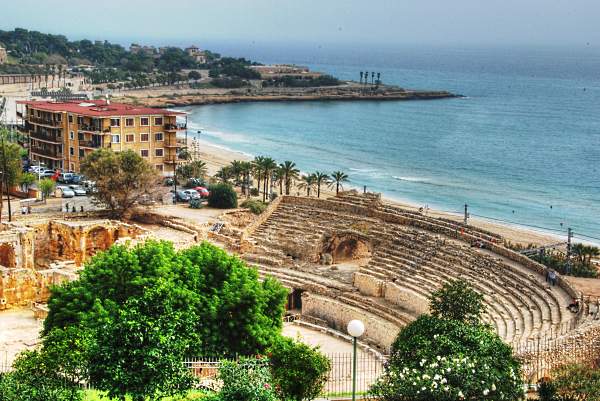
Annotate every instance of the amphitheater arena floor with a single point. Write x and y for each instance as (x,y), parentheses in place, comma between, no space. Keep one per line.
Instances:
(19,331)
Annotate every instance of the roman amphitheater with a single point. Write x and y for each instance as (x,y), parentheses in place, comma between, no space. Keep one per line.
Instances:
(342,258)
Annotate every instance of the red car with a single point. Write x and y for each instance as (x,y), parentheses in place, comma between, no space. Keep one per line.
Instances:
(202,191)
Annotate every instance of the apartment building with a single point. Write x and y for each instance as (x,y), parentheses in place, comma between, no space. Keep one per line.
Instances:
(62,134)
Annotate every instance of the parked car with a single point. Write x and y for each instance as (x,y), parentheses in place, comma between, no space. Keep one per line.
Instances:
(46,173)
(202,191)
(192,193)
(65,178)
(66,192)
(182,196)
(78,190)
(77,179)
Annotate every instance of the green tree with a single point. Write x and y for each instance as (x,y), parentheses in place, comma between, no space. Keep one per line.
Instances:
(457,300)
(26,179)
(290,173)
(146,308)
(299,371)
(121,178)
(338,178)
(268,166)
(10,166)
(308,182)
(46,186)
(222,196)
(194,75)
(320,179)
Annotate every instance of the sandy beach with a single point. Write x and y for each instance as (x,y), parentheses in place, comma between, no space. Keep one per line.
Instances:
(217,157)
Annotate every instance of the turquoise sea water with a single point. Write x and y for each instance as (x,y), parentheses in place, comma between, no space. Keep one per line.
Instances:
(525,137)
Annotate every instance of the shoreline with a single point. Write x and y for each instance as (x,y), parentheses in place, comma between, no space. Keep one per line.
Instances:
(216,157)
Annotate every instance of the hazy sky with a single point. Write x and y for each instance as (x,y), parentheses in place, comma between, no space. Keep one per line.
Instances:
(458,22)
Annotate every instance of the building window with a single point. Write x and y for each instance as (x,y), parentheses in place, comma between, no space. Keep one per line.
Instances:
(159,152)
(159,167)
(158,121)
(79,120)
(71,135)
(144,152)
(71,151)
(80,136)
(144,121)
(116,138)
(115,122)
(129,137)
(58,117)
(144,137)
(81,153)
(158,136)
(70,118)
(129,122)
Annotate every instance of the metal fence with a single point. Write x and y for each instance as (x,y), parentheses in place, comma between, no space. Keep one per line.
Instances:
(339,381)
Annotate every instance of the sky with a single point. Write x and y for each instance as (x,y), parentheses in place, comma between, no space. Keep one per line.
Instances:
(381,22)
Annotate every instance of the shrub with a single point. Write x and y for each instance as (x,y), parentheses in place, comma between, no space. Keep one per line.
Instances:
(577,382)
(254,192)
(196,203)
(456,300)
(255,206)
(222,196)
(246,380)
(46,186)
(299,371)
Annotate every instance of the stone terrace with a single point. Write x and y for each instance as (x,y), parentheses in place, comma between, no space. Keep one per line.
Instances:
(354,257)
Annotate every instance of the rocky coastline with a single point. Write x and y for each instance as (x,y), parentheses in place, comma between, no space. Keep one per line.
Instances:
(180,98)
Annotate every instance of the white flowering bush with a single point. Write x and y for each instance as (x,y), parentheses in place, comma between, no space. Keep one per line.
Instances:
(450,357)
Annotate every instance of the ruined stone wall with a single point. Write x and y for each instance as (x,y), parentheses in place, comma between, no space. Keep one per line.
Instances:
(338,315)
(368,285)
(406,298)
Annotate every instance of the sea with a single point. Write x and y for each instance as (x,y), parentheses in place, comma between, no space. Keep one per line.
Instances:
(521,147)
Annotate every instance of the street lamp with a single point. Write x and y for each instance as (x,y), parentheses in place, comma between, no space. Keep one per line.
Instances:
(356,328)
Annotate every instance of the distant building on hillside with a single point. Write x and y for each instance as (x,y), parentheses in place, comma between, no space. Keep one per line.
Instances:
(3,55)
(63,133)
(196,54)
(135,49)
(284,70)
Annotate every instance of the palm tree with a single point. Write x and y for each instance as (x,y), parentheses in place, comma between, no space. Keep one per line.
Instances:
(378,78)
(245,170)
(224,174)
(269,165)
(60,68)
(257,167)
(308,182)
(372,77)
(337,179)
(361,76)
(279,177)
(320,178)
(199,169)
(236,169)
(290,172)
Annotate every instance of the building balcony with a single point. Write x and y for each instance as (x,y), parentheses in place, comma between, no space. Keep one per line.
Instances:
(50,152)
(57,139)
(47,123)
(90,144)
(175,127)
(89,128)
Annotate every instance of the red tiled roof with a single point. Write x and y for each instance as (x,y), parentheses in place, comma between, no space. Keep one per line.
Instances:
(97,108)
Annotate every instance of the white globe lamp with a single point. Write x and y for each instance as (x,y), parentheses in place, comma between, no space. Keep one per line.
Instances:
(356,328)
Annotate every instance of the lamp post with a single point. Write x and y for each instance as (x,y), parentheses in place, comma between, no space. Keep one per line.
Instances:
(356,328)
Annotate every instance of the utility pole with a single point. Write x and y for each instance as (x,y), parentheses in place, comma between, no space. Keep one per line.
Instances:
(175,179)
(569,244)
(466,214)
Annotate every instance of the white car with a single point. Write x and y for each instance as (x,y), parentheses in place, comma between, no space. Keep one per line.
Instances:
(66,191)
(79,191)
(192,193)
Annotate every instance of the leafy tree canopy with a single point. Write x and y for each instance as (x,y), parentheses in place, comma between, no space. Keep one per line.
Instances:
(457,300)
(121,178)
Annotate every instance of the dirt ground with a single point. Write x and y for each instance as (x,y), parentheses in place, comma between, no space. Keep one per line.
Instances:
(588,286)
(19,330)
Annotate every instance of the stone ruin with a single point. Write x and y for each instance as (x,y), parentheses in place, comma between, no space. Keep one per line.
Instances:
(356,257)
(37,253)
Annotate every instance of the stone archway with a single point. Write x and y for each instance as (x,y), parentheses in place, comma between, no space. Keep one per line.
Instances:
(346,247)
(8,257)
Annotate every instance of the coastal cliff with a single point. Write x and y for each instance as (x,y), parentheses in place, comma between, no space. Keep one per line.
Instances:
(191,97)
